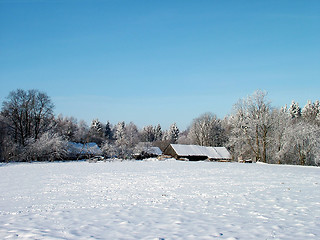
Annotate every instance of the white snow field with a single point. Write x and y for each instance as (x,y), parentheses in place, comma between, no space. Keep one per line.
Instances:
(159,200)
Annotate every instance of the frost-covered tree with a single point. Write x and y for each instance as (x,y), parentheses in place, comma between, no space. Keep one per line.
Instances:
(172,134)
(310,112)
(96,126)
(127,136)
(207,130)
(148,134)
(295,110)
(108,131)
(184,137)
(96,132)
(302,145)
(281,122)
(110,150)
(120,132)
(122,141)
(132,135)
(251,126)
(158,133)
(82,133)
(66,127)
(50,146)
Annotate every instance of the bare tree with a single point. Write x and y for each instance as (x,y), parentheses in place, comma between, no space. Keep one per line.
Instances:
(148,134)
(29,114)
(3,136)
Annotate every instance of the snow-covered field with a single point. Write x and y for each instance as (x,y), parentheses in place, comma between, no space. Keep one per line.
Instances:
(159,200)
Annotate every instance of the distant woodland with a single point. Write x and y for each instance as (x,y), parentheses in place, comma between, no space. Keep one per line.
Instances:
(30,131)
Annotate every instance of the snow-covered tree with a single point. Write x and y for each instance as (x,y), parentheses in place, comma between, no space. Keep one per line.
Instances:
(302,145)
(172,134)
(96,132)
(207,130)
(132,135)
(123,140)
(184,137)
(295,110)
(158,133)
(108,131)
(148,134)
(66,127)
(310,112)
(251,126)
(50,146)
(120,133)
(96,127)
(110,149)
(281,122)
(82,133)
(126,138)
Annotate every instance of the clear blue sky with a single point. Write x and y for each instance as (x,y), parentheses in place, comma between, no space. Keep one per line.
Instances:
(162,61)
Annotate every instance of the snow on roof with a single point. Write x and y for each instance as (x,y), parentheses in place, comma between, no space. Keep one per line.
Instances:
(222,151)
(155,150)
(88,148)
(196,150)
(148,148)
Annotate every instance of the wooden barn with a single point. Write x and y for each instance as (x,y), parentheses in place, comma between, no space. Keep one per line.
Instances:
(197,153)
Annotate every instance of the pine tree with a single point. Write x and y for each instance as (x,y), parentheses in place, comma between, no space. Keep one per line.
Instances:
(108,131)
(158,133)
(295,110)
(96,132)
(311,111)
(308,112)
(173,133)
(96,126)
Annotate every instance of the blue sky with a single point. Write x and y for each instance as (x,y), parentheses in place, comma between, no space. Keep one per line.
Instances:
(162,61)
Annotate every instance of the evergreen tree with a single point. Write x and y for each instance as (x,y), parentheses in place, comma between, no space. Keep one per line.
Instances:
(158,133)
(108,131)
(295,110)
(173,133)
(96,132)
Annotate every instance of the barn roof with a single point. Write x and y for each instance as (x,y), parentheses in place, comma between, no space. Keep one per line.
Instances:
(155,150)
(196,150)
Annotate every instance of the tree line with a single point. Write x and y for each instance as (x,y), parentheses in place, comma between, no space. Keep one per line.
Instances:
(29,131)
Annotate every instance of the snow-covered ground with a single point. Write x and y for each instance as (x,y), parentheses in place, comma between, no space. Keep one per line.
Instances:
(159,200)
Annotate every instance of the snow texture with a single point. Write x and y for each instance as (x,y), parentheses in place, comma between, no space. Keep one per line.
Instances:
(159,200)
(195,150)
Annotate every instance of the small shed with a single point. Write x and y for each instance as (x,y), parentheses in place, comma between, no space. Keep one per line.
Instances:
(197,153)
